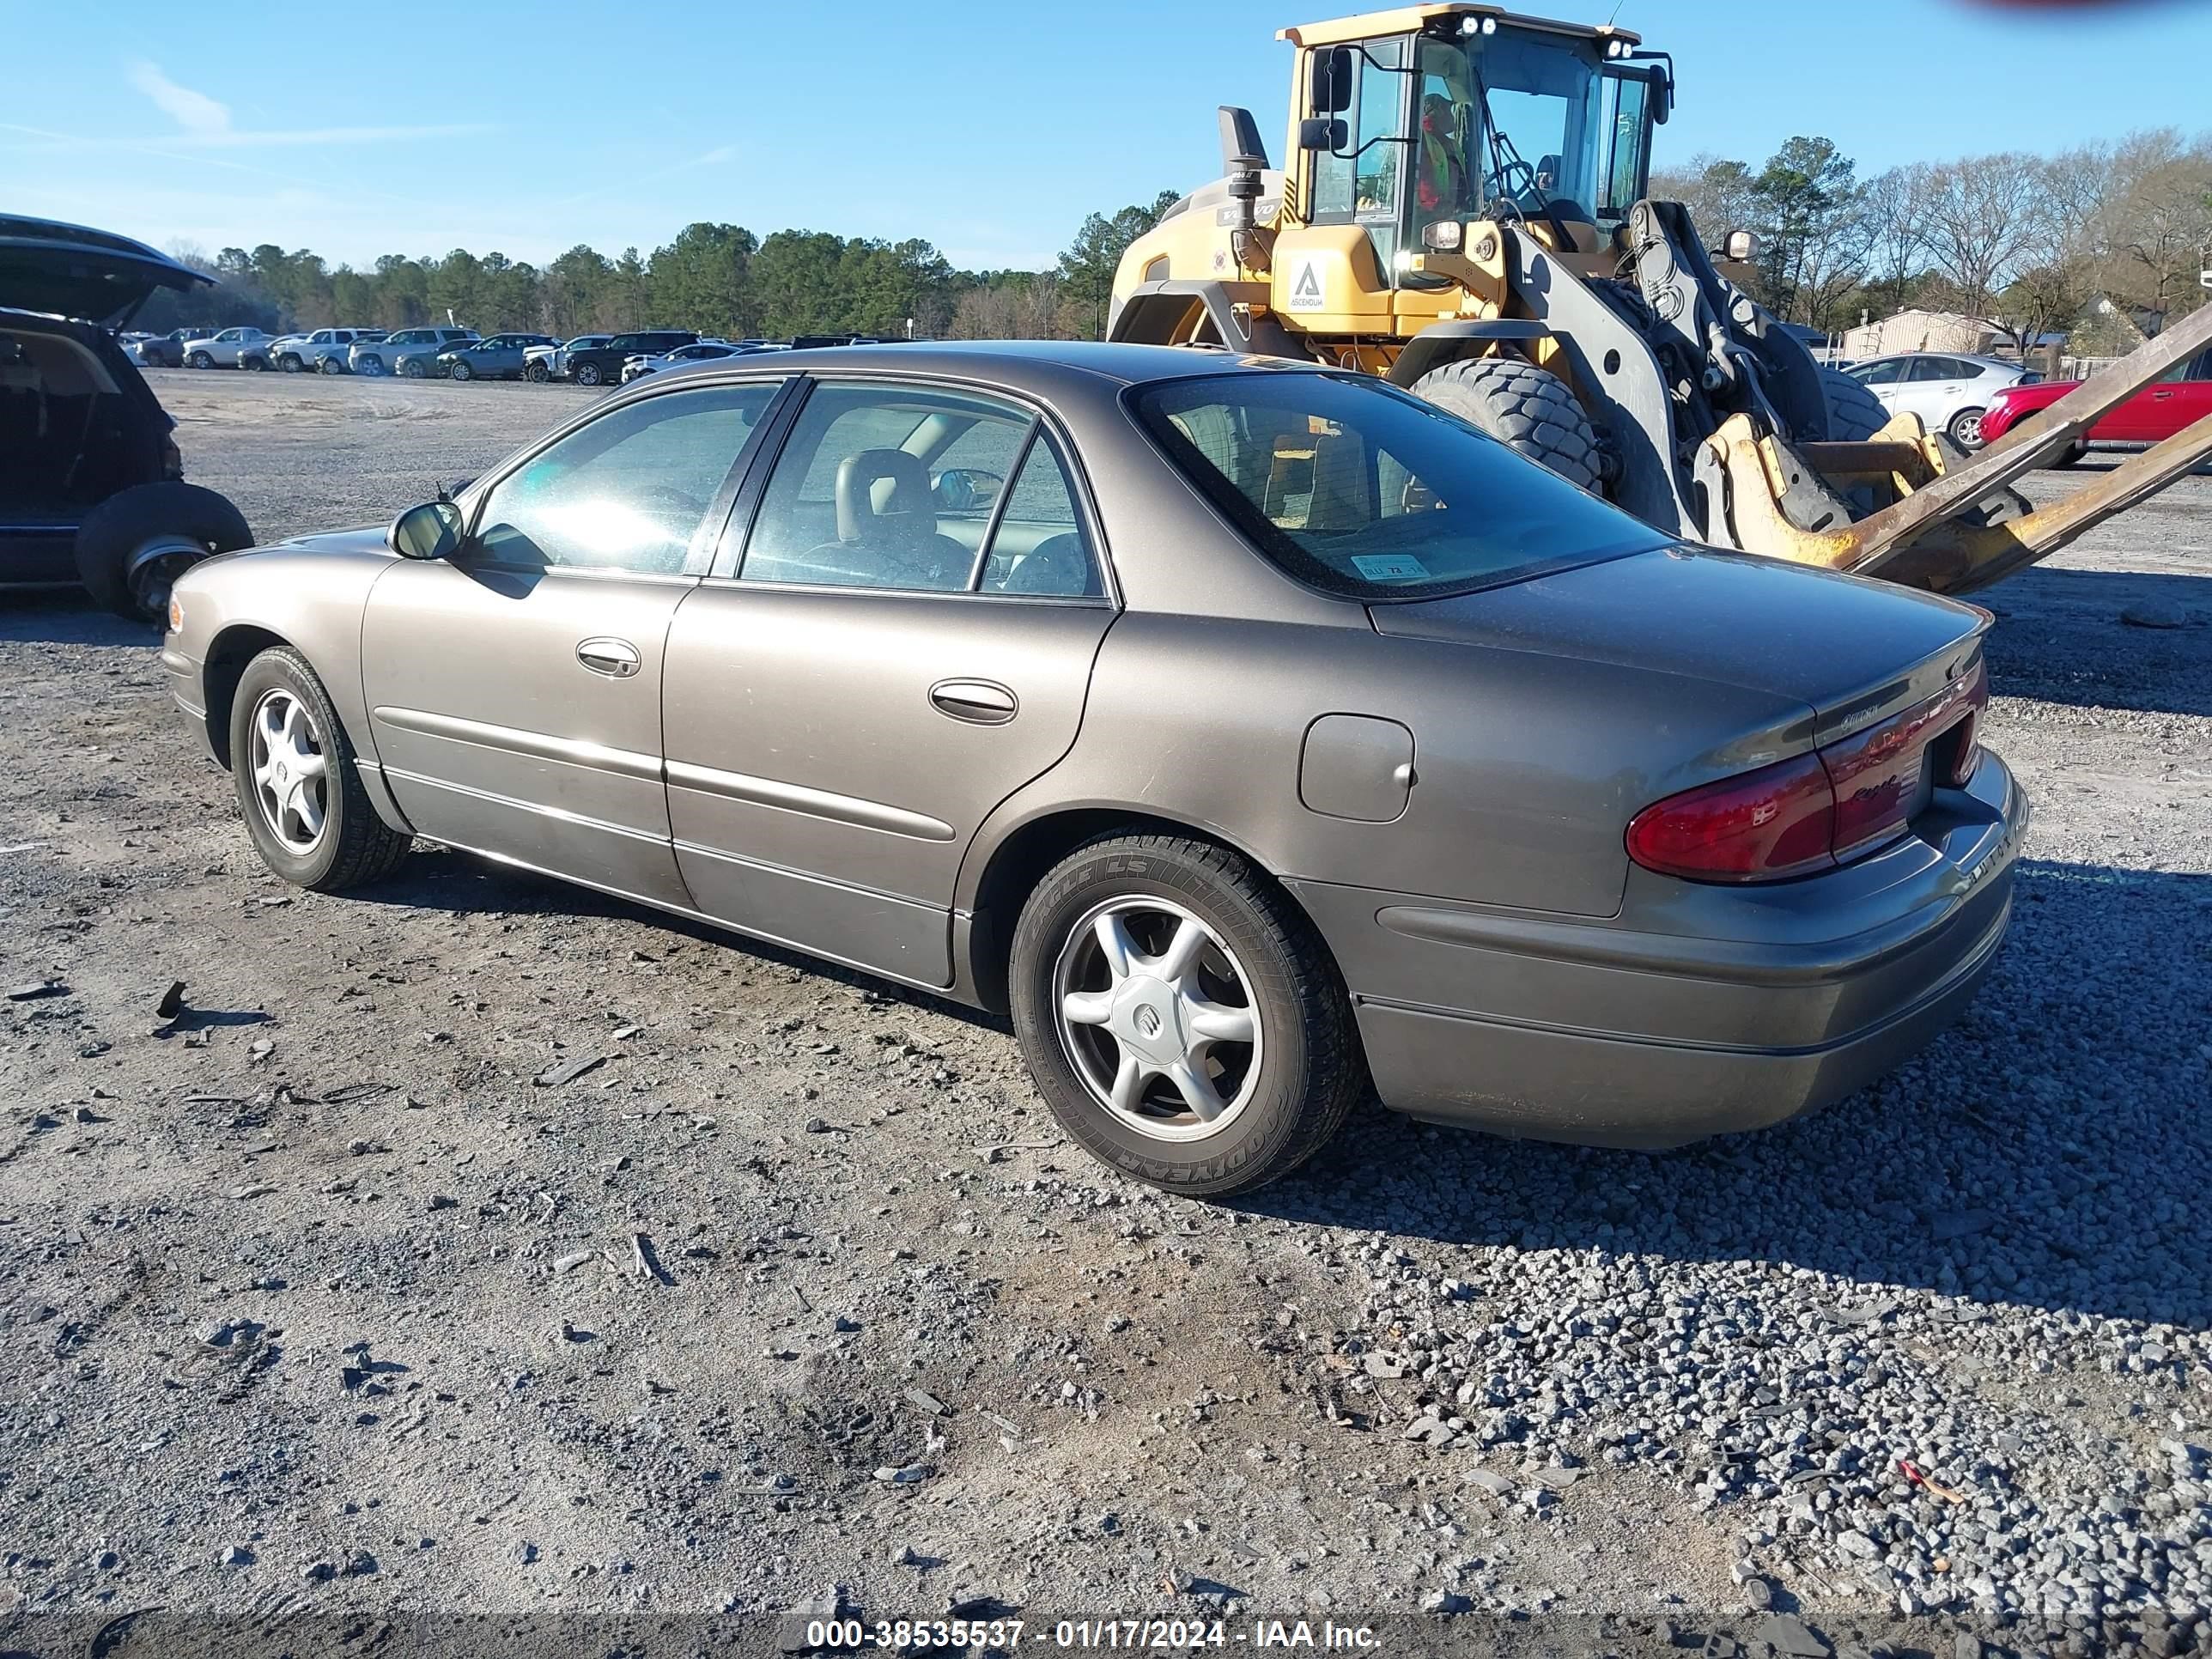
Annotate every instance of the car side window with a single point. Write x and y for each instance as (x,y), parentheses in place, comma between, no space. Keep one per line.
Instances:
(626,492)
(1882,373)
(1039,548)
(906,487)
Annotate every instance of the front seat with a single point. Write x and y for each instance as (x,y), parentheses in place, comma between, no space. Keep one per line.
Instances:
(1057,566)
(887,531)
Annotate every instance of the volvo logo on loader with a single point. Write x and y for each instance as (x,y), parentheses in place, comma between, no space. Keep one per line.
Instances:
(1307,293)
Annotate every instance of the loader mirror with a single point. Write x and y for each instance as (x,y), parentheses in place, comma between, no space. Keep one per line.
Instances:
(1323,132)
(1333,74)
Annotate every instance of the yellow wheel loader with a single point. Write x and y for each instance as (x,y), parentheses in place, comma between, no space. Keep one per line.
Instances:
(1464,211)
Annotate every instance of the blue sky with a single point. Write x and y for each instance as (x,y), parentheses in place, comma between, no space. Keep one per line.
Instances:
(991,128)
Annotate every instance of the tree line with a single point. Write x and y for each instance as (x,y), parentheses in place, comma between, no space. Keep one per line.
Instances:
(717,278)
(2028,242)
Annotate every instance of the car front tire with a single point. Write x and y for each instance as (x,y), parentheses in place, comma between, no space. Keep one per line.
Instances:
(586,374)
(1181,1017)
(537,372)
(297,782)
(411,368)
(290,363)
(201,359)
(370,365)
(134,545)
(461,371)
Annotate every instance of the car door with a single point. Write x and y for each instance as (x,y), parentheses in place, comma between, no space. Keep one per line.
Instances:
(887,659)
(514,689)
(1885,379)
(2165,406)
(1931,390)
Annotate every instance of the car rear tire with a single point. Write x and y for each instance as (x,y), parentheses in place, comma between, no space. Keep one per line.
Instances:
(461,371)
(297,782)
(411,368)
(134,545)
(201,359)
(586,374)
(1526,408)
(1180,1015)
(1854,413)
(2072,456)
(1965,430)
(537,372)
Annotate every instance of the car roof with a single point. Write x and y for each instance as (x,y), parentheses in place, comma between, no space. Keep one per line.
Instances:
(1031,363)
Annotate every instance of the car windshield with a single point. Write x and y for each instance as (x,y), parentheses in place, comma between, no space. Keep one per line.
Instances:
(1359,488)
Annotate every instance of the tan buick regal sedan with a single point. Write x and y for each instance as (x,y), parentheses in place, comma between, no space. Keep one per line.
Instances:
(1254,732)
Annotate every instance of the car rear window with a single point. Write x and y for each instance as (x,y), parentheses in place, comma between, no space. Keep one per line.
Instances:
(1359,488)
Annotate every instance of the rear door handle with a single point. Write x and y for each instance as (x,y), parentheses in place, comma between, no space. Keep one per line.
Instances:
(616,658)
(980,702)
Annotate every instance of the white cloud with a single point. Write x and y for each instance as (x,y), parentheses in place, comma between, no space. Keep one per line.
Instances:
(195,111)
(716,156)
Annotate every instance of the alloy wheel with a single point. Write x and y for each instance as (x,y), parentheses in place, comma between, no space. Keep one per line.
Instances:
(291,780)
(1156,1014)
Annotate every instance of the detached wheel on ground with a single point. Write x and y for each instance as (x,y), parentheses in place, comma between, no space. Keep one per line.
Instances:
(293,766)
(1965,430)
(1854,413)
(1526,408)
(133,546)
(1182,1018)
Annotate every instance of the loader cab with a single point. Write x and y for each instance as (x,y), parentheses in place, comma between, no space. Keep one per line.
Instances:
(1475,114)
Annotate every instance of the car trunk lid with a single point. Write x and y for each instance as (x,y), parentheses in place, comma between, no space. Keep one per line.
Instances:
(69,270)
(1855,651)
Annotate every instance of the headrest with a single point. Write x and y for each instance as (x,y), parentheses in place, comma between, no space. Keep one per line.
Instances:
(881,484)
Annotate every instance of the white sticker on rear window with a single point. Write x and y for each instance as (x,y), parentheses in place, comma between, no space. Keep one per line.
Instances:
(1390,567)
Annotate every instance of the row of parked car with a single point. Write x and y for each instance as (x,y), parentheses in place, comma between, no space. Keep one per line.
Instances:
(1976,400)
(450,353)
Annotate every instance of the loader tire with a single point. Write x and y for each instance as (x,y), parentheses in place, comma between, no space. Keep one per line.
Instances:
(1526,408)
(1854,413)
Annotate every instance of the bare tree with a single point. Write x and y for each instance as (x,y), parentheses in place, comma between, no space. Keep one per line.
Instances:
(1721,195)
(1984,212)
(1893,213)
(2156,221)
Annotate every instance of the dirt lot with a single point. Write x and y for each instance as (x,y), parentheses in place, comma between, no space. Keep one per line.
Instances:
(313,1300)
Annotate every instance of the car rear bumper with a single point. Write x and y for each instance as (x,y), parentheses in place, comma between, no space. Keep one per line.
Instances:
(1770,1002)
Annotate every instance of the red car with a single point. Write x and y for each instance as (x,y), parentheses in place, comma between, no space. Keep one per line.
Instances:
(2159,411)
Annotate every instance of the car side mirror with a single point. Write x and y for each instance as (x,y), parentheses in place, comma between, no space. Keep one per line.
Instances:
(1330,93)
(965,489)
(432,531)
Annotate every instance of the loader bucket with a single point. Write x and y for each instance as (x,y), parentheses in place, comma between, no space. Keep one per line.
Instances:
(1933,532)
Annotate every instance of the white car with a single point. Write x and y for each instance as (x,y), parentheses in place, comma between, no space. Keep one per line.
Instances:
(1949,392)
(224,348)
(551,362)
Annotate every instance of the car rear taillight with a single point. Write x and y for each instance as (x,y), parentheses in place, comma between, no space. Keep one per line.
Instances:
(1812,812)
(1778,821)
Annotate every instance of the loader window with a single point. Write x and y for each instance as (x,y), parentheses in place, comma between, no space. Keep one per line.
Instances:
(1361,490)
(1360,185)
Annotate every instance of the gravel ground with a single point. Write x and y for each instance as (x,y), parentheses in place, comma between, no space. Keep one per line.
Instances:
(313,1299)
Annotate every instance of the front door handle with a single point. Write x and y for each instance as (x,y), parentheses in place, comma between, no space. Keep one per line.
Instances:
(616,658)
(978,702)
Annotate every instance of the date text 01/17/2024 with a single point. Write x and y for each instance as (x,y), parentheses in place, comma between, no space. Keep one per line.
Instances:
(1145,1634)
